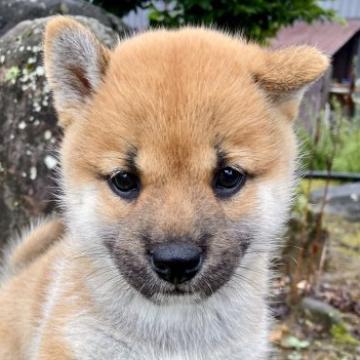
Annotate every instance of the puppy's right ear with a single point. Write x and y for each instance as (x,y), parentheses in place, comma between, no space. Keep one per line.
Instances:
(75,62)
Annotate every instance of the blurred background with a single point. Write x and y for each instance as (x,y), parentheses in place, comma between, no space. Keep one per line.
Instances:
(316,295)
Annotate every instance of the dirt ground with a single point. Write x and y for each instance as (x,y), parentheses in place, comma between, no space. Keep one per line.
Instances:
(299,337)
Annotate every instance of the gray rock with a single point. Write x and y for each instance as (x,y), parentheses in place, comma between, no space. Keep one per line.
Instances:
(343,200)
(13,12)
(320,312)
(29,134)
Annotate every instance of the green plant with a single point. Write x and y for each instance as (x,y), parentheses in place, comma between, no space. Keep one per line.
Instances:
(333,146)
(348,157)
(318,149)
(258,20)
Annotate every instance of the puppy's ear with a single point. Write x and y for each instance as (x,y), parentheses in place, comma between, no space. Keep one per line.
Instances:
(285,74)
(75,62)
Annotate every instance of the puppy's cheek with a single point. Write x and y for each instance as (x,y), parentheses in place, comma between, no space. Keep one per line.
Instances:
(241,205)
(91,206)
(272,206)
(110,207)
(81,211)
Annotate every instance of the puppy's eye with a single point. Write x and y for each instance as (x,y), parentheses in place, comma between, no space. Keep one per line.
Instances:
(125,184)
(228,181)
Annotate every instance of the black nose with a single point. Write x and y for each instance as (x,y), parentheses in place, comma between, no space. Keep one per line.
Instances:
(176,263)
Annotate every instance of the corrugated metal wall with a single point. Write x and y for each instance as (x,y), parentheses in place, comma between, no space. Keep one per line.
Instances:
(348,9)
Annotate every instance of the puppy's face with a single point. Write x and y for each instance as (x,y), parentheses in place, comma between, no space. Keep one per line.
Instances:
(178,154)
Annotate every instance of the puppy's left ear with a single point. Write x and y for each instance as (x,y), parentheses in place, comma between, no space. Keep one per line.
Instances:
(75,63)
(285,74)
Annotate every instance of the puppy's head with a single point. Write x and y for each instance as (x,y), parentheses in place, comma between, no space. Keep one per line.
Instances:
(178,155)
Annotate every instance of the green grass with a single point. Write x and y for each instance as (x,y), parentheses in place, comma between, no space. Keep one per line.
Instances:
(338,144)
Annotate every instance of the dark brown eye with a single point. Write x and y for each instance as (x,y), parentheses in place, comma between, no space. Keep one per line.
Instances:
(228,181)
(125,184)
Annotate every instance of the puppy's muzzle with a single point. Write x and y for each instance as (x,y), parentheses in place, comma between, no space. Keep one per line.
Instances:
(176,263)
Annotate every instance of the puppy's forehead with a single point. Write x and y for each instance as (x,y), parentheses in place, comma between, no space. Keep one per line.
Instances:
(181,95)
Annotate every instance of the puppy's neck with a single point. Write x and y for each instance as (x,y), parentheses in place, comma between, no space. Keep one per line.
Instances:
(234,316)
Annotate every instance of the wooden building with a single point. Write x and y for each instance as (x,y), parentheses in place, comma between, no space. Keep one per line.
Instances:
(341,42)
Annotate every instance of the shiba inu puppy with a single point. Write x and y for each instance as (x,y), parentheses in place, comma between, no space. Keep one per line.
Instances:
(177,169)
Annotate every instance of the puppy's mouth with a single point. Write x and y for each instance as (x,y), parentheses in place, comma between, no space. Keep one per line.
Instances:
(179,290)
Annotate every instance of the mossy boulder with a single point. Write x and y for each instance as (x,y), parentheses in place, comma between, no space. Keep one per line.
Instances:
(29,135)
(13,12)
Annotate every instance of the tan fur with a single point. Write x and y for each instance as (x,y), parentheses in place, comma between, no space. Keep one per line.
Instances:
(38,241)
(176,97)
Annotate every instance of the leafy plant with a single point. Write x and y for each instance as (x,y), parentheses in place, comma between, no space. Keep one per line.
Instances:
(344,134)
(257,20)
(323,149)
